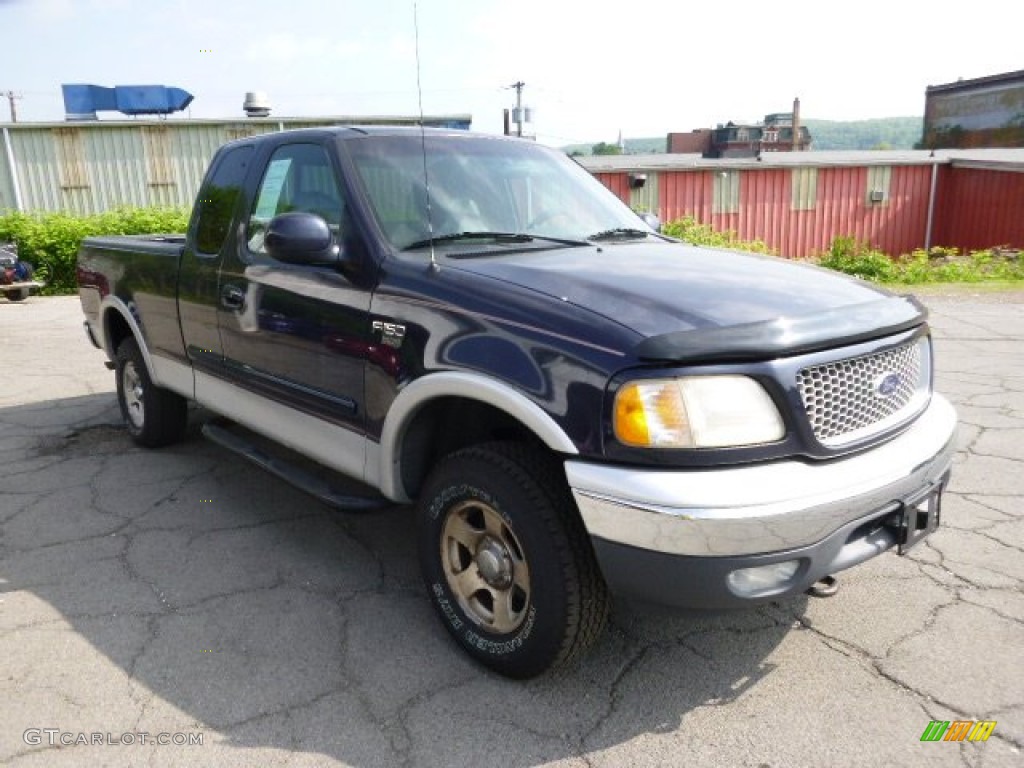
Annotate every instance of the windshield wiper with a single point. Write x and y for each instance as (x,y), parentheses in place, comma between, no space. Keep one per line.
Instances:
(560,240)
(452,237)
(619,233)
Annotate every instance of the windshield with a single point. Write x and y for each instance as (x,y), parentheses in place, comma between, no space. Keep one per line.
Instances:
(482,185)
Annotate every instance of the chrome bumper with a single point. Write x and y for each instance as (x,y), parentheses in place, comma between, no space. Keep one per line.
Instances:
(760,508)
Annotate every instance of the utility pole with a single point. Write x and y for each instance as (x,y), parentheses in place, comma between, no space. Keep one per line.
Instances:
(519,107)
(12,100)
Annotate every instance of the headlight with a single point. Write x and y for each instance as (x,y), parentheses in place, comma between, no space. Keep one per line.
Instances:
(696,412)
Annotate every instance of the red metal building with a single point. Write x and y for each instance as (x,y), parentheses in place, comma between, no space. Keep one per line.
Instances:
(797,202)
(981,202)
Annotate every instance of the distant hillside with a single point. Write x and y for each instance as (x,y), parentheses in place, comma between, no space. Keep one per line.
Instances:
(878,133)
(633,147)
(645,146)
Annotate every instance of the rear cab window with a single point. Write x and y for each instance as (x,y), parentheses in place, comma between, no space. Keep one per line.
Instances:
(219,197)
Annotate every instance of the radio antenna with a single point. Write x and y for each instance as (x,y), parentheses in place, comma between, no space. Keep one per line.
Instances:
(423,136)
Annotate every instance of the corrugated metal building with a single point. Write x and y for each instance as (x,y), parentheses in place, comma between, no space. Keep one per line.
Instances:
(797,202)
(89,167)
(981,200)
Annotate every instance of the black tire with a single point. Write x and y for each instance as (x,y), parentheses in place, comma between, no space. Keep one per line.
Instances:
(529,596)
(153,416)
(18,294)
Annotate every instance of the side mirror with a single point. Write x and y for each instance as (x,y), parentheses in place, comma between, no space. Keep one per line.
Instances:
(651,221)
(300,238)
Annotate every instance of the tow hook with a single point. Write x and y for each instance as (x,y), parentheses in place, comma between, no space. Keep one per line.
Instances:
(826,586)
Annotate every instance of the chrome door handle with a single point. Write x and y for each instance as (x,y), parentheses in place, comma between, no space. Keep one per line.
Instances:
(232,297)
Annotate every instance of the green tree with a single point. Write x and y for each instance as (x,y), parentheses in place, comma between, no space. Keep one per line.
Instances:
(603,148)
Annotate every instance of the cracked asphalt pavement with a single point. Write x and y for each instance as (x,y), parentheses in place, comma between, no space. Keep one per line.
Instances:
(184,592)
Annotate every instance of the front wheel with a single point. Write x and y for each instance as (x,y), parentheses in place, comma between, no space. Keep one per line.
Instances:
(153,416)
(506,560)
(18,294)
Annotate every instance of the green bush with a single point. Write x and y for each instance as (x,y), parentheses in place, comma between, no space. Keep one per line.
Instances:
(854,258)
(940,265)
(692,231)
(50,241)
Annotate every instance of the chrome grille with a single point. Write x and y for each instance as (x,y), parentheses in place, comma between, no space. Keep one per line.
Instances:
(849,399)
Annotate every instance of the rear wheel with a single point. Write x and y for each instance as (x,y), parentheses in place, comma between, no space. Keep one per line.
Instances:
(506,560)
(153,416)
(18,294)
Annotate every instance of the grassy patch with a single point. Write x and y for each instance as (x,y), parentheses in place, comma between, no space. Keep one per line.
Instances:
(939,265)
(692,231)
(958,289)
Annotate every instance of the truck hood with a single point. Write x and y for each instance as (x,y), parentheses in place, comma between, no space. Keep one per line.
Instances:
(691,303)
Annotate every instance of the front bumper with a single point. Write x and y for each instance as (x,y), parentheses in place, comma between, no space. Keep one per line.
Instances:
(674,536)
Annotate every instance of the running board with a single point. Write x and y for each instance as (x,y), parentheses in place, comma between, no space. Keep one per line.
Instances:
(300,478)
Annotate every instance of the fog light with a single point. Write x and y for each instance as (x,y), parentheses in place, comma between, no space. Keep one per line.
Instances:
(764,578)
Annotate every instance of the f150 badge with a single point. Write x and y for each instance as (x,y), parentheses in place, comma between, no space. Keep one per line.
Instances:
(392,334)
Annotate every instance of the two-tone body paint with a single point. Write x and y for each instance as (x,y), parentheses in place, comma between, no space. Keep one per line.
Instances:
(547,332)
(137,278)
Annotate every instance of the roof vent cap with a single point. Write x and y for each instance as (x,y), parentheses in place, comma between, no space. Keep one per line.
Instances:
(256,104)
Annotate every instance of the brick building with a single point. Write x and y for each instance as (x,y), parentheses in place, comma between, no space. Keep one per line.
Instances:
(982,112)
(780,132)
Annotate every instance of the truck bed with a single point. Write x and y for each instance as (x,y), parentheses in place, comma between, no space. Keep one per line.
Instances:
(136,271)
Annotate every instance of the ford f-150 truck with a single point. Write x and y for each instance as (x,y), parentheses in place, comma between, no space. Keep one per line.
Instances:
(576,404)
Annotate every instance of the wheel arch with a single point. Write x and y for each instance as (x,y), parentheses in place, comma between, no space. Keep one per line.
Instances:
(412,439)
(117,323)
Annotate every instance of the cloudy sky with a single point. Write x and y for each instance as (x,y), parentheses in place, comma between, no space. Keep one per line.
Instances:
(591,68)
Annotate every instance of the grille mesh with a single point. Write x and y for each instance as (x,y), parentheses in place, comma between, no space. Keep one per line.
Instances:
(842,397)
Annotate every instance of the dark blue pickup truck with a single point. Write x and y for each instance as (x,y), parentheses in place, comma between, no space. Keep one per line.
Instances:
(576,404)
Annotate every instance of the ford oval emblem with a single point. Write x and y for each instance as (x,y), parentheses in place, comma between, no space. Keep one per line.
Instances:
(888,384)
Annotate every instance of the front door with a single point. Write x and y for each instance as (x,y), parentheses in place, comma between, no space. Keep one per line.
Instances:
(297,334)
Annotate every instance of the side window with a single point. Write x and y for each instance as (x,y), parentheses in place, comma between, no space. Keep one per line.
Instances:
(299,177)
(218,198)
